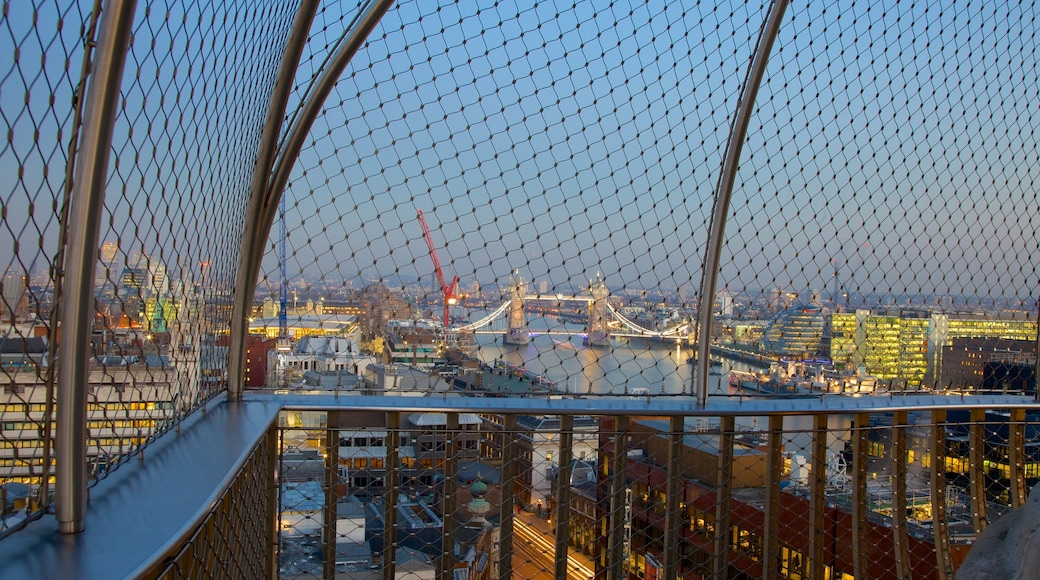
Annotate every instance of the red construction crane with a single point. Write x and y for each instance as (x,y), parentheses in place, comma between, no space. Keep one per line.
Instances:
(449,290)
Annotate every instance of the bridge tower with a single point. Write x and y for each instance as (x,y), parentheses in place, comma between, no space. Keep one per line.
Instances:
(517,333)
(598,334)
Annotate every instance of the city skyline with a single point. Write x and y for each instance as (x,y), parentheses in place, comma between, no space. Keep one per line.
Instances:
(531,156)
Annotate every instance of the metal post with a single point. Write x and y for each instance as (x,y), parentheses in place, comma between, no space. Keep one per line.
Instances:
(771,524)
(723,491)
(724,191)
(943,565)
(262,213)
(391,485)
(1016,453)
(563,495)
(860,547)
(900,537)
(618,494)
(976,470)
(273,498)
(673,489)
(87,205)
(817,498)
(510,445)
(258,200)
(1036,367)
(446,562)
(330,512)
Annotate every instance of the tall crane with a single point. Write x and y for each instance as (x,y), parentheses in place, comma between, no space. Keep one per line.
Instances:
(283,286)
(283,345)
(450,291)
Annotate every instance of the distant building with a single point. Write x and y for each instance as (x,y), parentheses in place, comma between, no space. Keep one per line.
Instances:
(947,327)
(324,355)
(401,380)
(300,325)
(795,332)
(257,349)
(724,303)
(746,333)
(135,281)
(887,344)
(14,298)
(539,444)
(23,353)
(417,343)
(647,475)
(989,364)
(380,306)
(115,425)
(892,343)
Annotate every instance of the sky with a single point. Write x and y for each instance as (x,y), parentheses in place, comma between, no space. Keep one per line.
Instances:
(894,142)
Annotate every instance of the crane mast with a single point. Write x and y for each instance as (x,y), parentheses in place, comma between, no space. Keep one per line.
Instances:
(283,286)
(448,290)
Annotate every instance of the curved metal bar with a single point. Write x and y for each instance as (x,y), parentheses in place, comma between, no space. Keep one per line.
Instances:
(251,238)
(84,227)
(724,192)
(262,214)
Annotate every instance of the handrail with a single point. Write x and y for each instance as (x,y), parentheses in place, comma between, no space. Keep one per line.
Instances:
(152,508)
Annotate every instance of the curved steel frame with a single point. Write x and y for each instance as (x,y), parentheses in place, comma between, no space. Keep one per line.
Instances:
(84,227)
(255,232)
(269,183)
(724,191)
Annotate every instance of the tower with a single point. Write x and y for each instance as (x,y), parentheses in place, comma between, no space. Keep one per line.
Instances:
(517,332)
(598,334)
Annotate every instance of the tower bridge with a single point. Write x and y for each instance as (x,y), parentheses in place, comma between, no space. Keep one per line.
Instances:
(604,321)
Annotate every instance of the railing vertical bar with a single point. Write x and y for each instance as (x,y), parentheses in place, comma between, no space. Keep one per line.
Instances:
(723,491)
(618,491)
(391,484)
(272,473)
(976,470)
(274,458)
(860,544)
(330,508)
(673,489)
(84,225)
(900,538)
(277,532)
(817,497)
(510,443)
(937,486)
(563,495)
(446,562)
(771,517)
(1016,449)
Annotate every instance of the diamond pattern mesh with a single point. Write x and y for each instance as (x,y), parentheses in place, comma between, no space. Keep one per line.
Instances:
(515,199)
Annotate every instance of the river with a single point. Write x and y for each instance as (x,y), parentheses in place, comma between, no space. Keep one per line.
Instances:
(628,367)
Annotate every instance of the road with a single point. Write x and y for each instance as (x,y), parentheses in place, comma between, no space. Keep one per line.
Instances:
(534,555)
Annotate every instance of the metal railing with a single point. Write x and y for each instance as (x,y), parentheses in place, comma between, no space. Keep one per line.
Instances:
(378,486)
(804,181)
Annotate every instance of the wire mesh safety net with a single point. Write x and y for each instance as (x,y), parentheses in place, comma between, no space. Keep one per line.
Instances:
(530,187)
(192,103)
(504,494)
(516,198)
